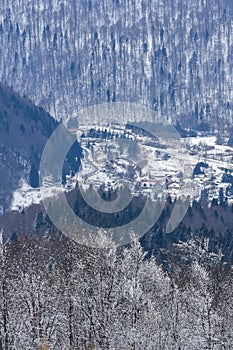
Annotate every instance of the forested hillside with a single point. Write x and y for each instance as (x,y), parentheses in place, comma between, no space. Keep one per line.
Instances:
(174,56)
(169,289)
(24,131)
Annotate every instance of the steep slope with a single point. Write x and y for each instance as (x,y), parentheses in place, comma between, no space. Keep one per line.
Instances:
(174,56)
(24,131)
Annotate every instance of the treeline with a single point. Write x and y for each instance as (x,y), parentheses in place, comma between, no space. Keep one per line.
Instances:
(109,298)
(213,221)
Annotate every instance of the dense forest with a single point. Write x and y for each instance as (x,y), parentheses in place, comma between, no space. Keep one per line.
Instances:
(173,56)
(203,222)
(111,298)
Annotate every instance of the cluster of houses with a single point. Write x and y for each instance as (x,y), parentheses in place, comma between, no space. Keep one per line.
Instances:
(112,165)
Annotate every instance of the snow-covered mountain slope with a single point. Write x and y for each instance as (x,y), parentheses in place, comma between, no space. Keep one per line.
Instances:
(174,56)
(24,131)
